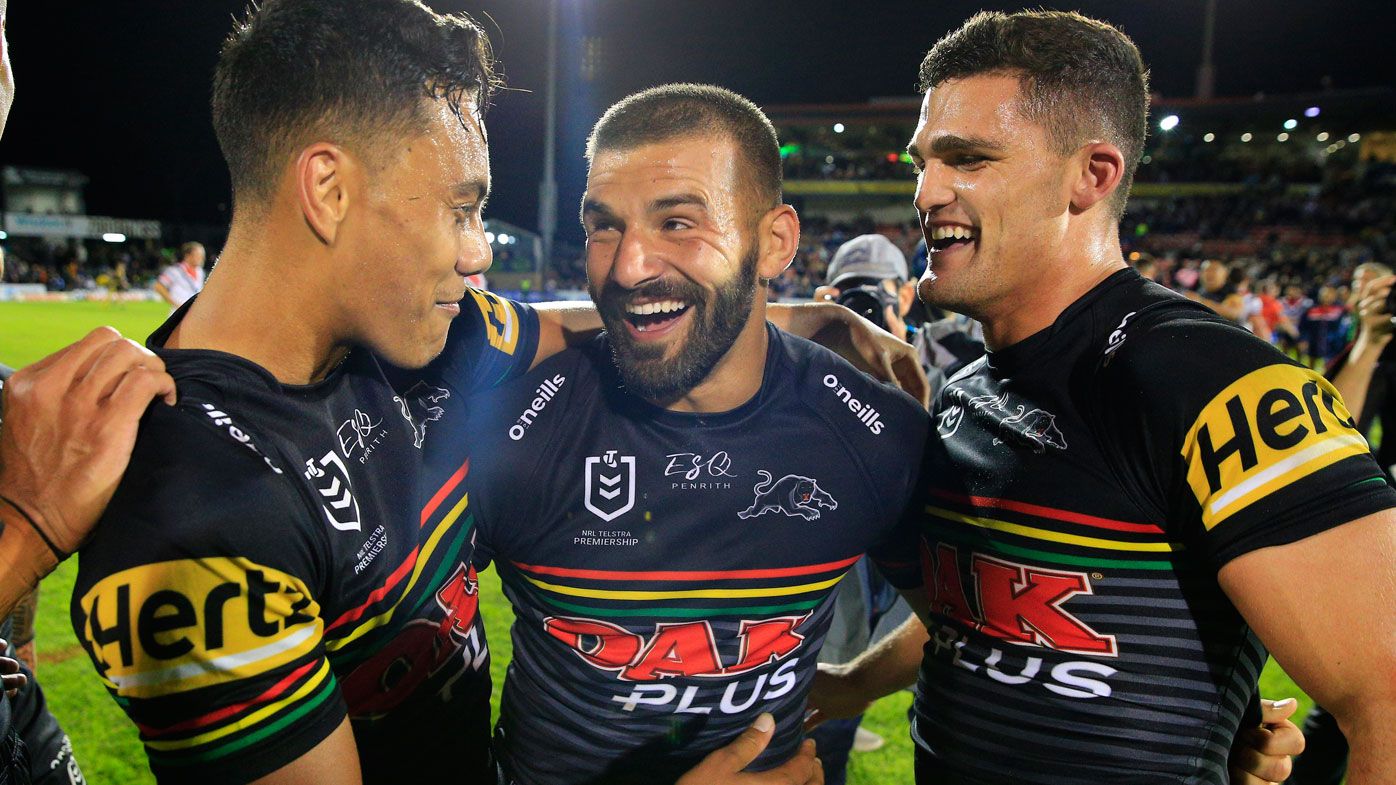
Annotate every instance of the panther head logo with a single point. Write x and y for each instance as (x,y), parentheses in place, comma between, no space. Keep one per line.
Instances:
(793,495)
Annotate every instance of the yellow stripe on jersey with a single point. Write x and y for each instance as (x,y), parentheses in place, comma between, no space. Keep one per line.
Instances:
(423,558)
(251,720)
(1266,431)
(174,626)
(682,594)
(1053,536)
(501,320)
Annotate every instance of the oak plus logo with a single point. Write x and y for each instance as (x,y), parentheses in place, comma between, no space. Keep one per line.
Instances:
(610,485)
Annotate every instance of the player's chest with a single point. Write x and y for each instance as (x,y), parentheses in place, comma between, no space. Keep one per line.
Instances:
(628,493)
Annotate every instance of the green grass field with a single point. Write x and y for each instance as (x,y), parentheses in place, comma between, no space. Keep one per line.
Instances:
(106,743)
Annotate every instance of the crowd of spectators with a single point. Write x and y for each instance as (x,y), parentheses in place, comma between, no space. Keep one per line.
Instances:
(71,266)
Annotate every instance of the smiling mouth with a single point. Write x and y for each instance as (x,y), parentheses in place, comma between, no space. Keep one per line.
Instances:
(943,238)
(655,316)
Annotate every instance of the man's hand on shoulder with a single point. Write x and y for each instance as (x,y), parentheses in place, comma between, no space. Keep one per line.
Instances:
(727,765)
(868,347)
(70,424)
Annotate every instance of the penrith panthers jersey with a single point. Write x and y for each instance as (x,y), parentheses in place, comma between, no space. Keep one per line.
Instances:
(1088,484)
(280,557)
(673,574)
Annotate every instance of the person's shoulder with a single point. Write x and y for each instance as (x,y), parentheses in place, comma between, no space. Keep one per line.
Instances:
(200,483)
(848,399)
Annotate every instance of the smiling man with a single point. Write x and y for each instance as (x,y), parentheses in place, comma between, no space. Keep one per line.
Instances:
(1135,497)
(671,508)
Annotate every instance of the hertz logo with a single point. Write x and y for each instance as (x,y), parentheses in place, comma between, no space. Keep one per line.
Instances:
(178,625)
(501,322)
(1269,429)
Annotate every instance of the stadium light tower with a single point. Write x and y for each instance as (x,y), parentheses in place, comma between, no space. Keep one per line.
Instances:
(547,189)
(1206,73)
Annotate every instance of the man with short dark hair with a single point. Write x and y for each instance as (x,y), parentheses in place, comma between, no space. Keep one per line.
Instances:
(1127,485)
(672,507)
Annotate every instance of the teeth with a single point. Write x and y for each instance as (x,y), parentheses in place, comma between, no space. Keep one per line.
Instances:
(952,232)
(663,306)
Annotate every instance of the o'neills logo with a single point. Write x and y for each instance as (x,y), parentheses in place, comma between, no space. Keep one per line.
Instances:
(545,392)
(865,413)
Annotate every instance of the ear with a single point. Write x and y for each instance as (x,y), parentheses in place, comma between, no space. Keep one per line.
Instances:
(323,173)
(1098,169)
(778,236)
(906,295)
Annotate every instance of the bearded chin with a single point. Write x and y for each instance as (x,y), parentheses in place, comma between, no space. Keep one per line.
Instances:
(714,327)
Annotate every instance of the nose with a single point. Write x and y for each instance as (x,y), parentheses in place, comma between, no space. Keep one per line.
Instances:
(635,262)
(933,188)
(476,254)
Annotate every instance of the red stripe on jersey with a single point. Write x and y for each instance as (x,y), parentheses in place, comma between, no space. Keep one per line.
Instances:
(271,693)
(685,575)
(445,491)
(1050,512)
(406,567)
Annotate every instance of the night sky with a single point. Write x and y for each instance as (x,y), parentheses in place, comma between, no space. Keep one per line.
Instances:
(119,89)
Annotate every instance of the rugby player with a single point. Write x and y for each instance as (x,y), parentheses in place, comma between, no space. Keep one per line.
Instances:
(281,589)
(671,507)
(1135,497)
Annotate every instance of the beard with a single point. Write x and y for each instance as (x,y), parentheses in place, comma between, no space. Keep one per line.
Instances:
(715,322)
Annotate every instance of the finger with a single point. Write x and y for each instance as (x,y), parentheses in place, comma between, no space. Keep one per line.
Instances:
(816,769)
(13,681)
(914,381)
(885,368)
(1255,767)
(111,366)
(134,394)
(1277,711)
(69,360)
(742,751)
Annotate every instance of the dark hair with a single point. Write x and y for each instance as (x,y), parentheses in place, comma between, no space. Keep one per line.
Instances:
(1080,78)
(346,71)
(677,110)
(187,248)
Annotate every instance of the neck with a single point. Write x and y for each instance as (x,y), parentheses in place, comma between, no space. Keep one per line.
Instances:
(1052,289)
(737,376)
(283,327)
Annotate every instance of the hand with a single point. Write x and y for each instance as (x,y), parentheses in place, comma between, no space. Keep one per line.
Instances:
(889,358)
(1373,318)
(833,696)
(10,677)
(69,427)
(1262,754)
(725,766)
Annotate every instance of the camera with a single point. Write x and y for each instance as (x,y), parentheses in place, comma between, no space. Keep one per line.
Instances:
(870,301)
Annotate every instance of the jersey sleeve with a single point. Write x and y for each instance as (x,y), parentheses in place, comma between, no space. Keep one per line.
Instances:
(1238,446)
(506,434)
(492,341)
(197,601)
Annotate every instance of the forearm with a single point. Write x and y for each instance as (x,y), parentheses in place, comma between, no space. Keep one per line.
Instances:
(808,320)
(24,559)
(891,664)
(1355,378)
(1368,731)
(562,324)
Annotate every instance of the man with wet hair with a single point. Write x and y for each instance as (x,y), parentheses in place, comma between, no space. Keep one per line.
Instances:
(1128,484)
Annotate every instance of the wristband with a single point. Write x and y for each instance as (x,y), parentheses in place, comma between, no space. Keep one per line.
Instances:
(60,555)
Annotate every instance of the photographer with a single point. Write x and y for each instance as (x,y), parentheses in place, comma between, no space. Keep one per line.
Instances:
(869,276)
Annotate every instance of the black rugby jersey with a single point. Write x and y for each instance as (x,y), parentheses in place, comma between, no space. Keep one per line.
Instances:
(673,574)
(1087,485)
(279,556)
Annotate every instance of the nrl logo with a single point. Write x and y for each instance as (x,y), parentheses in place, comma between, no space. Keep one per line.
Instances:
(610,485)
(331,479)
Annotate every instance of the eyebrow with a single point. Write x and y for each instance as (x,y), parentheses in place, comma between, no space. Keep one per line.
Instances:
(950,143)
(591,207)
(678,200)
(479,189)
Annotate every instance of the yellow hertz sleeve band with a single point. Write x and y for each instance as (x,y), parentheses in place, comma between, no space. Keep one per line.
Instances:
(501,320)
(1267,430)
(174,626)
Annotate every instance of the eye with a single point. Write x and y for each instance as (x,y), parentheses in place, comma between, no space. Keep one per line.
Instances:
(967,161)
(464,213)
(676,224)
